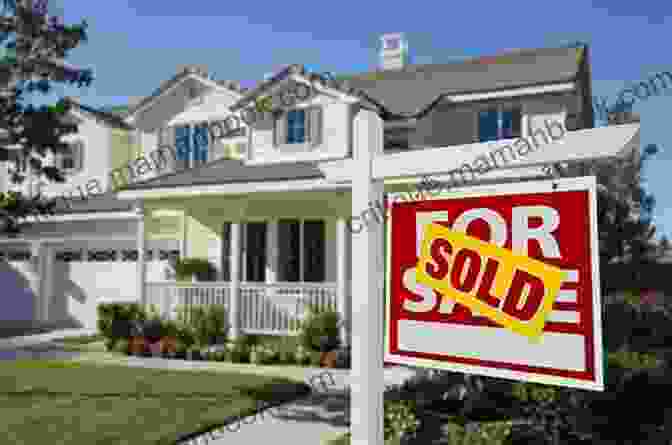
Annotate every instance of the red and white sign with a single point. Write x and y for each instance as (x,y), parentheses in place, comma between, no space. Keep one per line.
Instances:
(554,222)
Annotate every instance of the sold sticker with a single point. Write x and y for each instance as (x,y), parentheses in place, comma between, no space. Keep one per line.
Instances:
(513,290)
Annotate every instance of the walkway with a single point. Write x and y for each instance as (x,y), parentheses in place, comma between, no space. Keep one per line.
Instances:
(26,341)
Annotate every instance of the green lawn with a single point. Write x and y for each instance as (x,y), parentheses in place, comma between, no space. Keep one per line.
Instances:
(81,404)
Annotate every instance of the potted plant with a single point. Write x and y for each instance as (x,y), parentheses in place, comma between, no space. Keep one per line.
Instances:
(194,269)
(137,345)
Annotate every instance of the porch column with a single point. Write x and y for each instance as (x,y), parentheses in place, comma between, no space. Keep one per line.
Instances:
(35,277)
(141,270)
(234,264)
(342,300)
(272,251)
(366,418)
(47,273)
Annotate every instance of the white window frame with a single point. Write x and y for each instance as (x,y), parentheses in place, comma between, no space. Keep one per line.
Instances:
(311,138)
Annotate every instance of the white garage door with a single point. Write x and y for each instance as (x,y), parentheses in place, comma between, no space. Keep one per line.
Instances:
(89,273)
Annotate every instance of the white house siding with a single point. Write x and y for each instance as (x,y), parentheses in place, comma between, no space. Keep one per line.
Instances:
(334,136)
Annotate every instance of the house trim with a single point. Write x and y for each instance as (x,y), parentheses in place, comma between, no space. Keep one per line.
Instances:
(514,92)
(84,217)
(131,118)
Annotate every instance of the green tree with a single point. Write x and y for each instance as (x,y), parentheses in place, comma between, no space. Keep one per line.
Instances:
(33,46)
(624,206)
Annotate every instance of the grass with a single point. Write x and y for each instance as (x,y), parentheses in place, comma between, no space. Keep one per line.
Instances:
(82,403)
(341,440)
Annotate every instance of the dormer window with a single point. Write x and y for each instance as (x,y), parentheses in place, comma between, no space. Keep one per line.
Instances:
(296,126)
(499,122)
(191,143)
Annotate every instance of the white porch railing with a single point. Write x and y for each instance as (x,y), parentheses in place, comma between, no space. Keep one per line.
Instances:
(271,309)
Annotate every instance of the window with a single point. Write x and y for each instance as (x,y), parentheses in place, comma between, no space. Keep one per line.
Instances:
(397,137)
(255,252)
(182,146)
(191,144)
(313,251)
(499,123)
(296,126)
(200,144)
(301,255)
(70,160)
(299,127)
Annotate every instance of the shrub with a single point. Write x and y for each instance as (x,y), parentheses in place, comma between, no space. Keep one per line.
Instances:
(399,419)
(314,358)
(187,267)
(216,322)
(239,350)
(119,312)
(202,324)
(318,325)
(110,343)
(632,360)
(122,346)
(482,433)
(180,349)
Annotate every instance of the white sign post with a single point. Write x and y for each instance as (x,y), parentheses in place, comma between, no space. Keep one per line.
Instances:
(366,413)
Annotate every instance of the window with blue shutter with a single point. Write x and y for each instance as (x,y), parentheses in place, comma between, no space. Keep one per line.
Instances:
(296,126)
(200,143)
(499,123)
(488,124)
(182,142)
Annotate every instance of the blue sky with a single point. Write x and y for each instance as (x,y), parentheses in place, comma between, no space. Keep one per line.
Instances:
(135,44)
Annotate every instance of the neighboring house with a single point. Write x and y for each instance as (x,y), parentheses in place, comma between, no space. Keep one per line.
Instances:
(274,219)
(88,249)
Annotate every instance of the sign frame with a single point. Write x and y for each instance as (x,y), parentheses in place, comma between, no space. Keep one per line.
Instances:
(582,184)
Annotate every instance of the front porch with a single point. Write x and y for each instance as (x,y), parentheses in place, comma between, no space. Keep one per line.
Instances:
(269,309)
(273,254)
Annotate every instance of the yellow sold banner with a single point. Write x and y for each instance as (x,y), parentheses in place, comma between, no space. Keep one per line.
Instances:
(513,290)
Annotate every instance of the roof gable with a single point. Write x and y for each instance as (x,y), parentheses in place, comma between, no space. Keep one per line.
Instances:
(170,84)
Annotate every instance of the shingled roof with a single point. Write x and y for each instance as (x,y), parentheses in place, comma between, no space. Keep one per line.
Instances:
(111,119)
(409,92)
(177,78)
(230,171)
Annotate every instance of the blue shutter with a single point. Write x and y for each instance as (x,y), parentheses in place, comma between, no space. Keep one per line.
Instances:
(200,135)
(182,142)
(507,124)
(488,125)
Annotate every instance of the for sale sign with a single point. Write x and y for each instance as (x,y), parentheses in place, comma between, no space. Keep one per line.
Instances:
(500,281)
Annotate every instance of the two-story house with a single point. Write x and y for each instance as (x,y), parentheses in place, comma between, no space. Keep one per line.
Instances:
(276,221)
(79,255)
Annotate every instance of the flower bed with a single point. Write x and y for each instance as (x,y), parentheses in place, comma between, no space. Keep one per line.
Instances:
(200,333)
